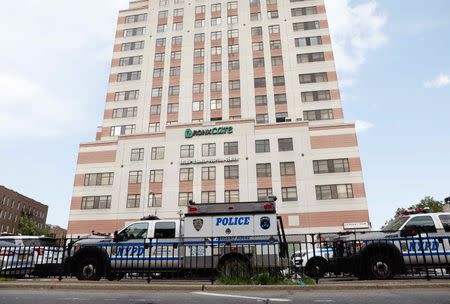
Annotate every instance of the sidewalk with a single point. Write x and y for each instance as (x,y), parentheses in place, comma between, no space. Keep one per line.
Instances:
(204,285)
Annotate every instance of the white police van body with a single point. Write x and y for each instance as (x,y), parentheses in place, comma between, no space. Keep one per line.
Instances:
(416,238)
(210,237)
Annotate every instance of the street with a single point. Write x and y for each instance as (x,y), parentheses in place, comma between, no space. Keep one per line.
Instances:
(384,296)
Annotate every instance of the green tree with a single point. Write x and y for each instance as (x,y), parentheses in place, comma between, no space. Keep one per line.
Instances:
(426,202)
(29,227)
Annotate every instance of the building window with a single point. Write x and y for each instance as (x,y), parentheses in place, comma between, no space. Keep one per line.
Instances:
(174,91)
(231,196)
(262,146)
(177,26)
(264,193)
(135,60)
(260,82)
(131,46)
(135,177)
(274,29)
(124,112)
(277,60)
(175,55)
(199,37)
(155,109)
(287,168)
(134,32)
(233,49)
(230,148)
(263,170)
(316,96)
(98,179)
(234,85)
(96,202)
(163,14)
(289,194)
(199,53)
(258,63)
(216,35)
(198,68)
(126,95)
(197,106)
(133,200)
(331,166)
(208,173)
(184,198)
(314,77)
(326,192)
(216,21)
(187,151)
(158,153)
(280,98)
(325,114)
(122,130)
(215,104)
(257,46)
(216,50)
(156,176)
(136,18)
(172,108)
(278,81)
(137,154)
(306,26)
(233,34)
(275,44)
(158,73)
(154,199)
(285,144)
(234,102)
(216,7)
(177,40)
(209,149)
(232,19)
(198,88)
(231,172)
(261,100)
(308,41)
(262,118)
(303,11)
(281,116)
(156,92)
(186,174)
(216,86)
(154,127)
(175,71)
(208,197)
(233,65)
(256,31)
(312,57)
(129,76)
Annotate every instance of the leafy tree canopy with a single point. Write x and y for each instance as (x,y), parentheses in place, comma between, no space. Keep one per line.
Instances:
(29,227)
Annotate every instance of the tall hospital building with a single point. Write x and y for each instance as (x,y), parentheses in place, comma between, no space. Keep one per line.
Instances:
(221,101)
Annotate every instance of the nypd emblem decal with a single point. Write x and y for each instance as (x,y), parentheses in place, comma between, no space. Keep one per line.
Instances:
(198,224)
(265,222)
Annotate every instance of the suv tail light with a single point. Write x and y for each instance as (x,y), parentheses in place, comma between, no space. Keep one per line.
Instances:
(39,250)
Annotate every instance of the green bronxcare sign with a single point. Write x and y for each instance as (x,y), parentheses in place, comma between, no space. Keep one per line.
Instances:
(189,133)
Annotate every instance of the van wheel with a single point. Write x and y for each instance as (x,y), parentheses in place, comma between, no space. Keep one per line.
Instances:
(315,268)
(89,270)
(235,267)
(380,267)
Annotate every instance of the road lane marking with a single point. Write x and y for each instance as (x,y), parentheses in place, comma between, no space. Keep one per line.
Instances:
(239,296)
(324,301)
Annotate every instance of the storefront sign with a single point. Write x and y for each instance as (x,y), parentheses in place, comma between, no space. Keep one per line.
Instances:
(189,133)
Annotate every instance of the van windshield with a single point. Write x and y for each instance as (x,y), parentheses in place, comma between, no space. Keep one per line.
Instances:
(395,224)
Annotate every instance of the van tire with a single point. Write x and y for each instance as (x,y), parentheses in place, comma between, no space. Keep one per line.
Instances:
(89,269)
(115,276)
(380,267)
(316,267)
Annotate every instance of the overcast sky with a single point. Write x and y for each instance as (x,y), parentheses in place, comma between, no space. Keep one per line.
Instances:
(394,70)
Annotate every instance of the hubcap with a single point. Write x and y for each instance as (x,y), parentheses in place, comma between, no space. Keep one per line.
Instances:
(381,269)
(88,271)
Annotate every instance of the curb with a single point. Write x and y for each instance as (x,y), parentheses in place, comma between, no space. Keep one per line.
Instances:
(189,287)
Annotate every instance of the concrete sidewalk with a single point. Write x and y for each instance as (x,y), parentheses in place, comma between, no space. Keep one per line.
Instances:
(203,286)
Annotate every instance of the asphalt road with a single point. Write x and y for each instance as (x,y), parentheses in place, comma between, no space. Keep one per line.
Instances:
(404,296)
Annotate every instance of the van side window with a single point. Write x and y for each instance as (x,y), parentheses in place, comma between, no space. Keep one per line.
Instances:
(445,220)
(421,224)
(164,230)
(135,231)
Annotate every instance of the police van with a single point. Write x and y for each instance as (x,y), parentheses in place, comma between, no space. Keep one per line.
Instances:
(416,239)
(223,236)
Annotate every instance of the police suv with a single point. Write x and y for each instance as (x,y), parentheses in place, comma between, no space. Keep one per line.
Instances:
(415,240)
(220,236)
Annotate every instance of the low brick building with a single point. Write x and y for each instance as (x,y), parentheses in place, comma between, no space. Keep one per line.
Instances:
(14,205)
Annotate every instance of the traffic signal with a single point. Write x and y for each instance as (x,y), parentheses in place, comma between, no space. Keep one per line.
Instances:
(447,200)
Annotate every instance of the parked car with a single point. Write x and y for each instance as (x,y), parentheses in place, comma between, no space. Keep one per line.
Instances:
(15,261)
(45,254)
